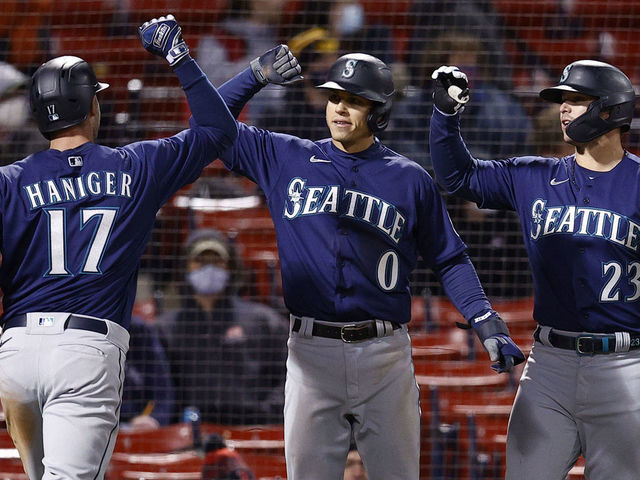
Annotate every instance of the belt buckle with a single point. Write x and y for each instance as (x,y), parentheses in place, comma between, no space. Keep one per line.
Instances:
(579,346)
(352,327)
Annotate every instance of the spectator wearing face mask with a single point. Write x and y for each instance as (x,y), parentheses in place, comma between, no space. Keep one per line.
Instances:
(19,137)
(227,355)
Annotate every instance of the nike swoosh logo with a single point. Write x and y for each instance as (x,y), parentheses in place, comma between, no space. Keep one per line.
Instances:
(555,182)
(313,159)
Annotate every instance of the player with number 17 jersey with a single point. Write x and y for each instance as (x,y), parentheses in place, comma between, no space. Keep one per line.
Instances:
(75,223)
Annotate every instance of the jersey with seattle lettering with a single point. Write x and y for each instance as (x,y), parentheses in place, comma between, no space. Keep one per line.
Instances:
(75,223)
(581,228)
(349,227)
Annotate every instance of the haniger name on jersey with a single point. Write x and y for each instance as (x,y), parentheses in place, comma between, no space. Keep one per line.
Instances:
(69,189)
(593,222)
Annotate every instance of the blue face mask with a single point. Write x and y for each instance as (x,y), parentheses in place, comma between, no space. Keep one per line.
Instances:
(208,280)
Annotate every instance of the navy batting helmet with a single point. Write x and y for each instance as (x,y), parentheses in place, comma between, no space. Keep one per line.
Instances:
(613,91)
(366,76)
(61,93)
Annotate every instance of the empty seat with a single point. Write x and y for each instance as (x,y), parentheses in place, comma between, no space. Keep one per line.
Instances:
(163,440)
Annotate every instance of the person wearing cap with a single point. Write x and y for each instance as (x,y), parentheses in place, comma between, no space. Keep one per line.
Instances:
(352,217)
(226,354)
(579,393)
(302,110)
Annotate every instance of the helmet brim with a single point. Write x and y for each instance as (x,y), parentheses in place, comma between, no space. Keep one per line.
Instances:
(554,94)
(102,86)
(368,95)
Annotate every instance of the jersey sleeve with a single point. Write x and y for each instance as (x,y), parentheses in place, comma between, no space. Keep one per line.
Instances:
(171,163)
(438,241)
(489,183)
(256,155)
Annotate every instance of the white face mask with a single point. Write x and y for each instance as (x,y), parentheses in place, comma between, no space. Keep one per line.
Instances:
(14,112)
(208,280)
(351,20)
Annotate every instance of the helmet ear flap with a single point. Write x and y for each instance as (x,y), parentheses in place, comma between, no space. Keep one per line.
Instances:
(378,118)
(591,124)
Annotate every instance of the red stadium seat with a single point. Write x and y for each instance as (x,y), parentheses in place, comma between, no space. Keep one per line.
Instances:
(189,462)
(613,15)
(143,475)
(525,12)
(12,475)
(266,467)
(459,375)
(163,440)
(193,15)
(577,472)
(246,432)
(5,439)
(83,12)
(447,344)
(626,53)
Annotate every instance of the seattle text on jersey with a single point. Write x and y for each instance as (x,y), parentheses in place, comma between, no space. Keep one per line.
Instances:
(370,209)
(594,222)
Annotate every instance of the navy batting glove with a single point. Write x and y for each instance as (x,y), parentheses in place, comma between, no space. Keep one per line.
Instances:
(278,66)
(494,335)
(504,352)
(163,37)
(451,89)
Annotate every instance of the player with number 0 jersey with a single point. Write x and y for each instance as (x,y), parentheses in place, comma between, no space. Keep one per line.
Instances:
(352,217)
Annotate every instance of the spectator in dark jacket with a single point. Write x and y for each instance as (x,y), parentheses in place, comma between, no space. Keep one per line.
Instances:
(227,354)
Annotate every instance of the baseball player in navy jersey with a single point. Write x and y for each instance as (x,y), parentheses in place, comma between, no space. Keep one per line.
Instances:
(580,214)
(351,218)
(75,221)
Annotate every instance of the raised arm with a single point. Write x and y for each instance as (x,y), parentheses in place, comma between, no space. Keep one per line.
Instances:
(489,183)
(163,37)
(277,66)
(452,162)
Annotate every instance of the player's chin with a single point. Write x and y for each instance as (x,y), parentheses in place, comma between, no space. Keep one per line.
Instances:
(568,139)
(340,133)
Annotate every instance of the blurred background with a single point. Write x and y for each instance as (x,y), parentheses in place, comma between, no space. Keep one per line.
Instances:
(206,369)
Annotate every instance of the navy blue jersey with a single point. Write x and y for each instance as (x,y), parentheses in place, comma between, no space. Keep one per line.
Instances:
(75,223)
(349,227)
(581,228)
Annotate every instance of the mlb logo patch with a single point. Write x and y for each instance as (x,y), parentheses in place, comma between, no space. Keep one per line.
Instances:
(75,161)
(46,321)
(52,115)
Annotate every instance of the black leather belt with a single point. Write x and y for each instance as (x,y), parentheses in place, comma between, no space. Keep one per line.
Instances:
(75,322)
(587,344)
(348,333)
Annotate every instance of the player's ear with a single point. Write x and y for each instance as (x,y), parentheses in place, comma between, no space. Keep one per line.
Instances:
(95,106)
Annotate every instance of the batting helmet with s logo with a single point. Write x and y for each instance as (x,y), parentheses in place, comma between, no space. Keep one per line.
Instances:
(613,94)
(368,77)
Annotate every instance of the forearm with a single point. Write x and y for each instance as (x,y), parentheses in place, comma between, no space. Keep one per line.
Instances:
(452,162)
(462,286)
(237,91)
(208,109)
